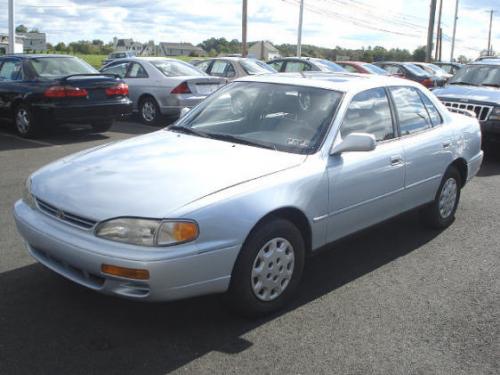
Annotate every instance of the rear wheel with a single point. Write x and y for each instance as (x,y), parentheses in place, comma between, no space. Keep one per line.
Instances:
(441,212)
(102,126)
(26,125)
(149,112)
(268,269)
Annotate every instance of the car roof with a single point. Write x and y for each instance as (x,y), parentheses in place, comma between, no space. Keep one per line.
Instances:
(490,61)
(25,56)
(343,82)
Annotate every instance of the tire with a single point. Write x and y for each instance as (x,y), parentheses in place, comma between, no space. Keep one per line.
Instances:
(268,269)
(149,112)
(102,126)
(26,125)
(441,212)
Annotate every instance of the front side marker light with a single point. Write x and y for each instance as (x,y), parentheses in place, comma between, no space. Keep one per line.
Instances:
(172,232)
(129,273)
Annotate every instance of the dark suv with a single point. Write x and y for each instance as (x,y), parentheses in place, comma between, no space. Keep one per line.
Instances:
(476,87)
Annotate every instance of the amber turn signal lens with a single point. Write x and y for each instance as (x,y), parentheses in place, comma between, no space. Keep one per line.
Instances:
(172,232)
(185,231)
(129,273)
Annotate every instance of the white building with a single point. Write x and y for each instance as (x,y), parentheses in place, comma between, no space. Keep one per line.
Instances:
(4,44)
(263,51)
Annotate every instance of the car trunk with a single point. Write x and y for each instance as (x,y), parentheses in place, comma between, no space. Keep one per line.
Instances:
(203,85)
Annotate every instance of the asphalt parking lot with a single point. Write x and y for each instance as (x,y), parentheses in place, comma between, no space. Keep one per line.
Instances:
(395,299)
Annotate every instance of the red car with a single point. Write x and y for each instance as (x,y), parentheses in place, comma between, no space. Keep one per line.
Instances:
(361,67)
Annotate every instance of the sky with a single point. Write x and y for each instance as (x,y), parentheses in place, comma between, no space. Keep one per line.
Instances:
(327,23)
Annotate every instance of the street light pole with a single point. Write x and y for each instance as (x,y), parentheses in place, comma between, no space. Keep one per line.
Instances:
(12,31)
(430,32)
(244,51)
(489,34)
(299,41)
(454,32)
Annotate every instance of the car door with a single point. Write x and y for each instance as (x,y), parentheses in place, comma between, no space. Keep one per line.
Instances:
(137,80)
(366,187)
(426,142)
(10,78)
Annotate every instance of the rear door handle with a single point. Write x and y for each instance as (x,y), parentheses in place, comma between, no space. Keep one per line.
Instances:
(396,160)
(446,144)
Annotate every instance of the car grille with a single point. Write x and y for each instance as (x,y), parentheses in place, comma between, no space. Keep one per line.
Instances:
(482,111)
(67,217)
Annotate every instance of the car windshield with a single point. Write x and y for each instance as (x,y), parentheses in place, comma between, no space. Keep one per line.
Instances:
(172,68)
(416,70)
(253,67)
(54,67)
(281,117)
(328,65)
(375,69)
(478,75)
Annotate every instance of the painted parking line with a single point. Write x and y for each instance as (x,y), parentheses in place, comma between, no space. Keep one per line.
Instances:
(34,141)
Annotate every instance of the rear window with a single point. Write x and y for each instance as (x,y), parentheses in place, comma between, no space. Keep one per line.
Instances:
(54,67)
(256,67)
(375,69)
(415,70)
(171,68)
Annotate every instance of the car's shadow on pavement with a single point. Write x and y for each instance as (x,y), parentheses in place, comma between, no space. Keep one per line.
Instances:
(51,326)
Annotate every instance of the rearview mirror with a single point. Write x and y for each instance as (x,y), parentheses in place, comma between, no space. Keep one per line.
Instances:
(355,142)
(184,111)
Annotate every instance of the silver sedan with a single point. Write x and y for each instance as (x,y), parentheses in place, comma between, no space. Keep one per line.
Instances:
(233,196)
(160,86)
(233,68)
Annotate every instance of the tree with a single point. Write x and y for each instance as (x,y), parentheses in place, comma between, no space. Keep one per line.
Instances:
(34,30)
(60,47)
(21,29)
(419,54)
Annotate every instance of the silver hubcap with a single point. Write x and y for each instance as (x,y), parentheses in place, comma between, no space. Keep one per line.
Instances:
(272,269)
(447,198)
(148,111)
(23,121)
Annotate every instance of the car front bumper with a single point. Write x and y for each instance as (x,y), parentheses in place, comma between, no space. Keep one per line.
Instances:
(78,255)
(83,113)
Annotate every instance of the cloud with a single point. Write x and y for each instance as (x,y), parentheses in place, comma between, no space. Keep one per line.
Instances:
(327,23)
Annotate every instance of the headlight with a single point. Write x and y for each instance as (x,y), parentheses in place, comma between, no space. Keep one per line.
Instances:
(148,232)
(27,196)
(495,114)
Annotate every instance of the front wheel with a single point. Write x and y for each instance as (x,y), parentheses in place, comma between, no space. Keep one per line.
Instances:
(25,123)
(441,212)
(268,269)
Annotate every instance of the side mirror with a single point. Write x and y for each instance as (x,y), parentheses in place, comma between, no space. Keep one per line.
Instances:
(355,142)
(184,111)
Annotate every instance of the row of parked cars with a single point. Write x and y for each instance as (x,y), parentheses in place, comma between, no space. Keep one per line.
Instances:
(46,90)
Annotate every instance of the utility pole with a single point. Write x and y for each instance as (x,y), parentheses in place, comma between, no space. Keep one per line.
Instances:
(454,32)
(490,48)
(12,31)
(244,51)
(430,31)
(438,33)
(299,39)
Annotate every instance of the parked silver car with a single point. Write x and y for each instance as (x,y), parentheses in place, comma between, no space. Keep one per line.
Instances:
(160,86)
(233,67)
(234,195)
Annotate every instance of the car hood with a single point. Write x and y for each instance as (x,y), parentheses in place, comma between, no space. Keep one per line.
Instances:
(469,93)
(152,175)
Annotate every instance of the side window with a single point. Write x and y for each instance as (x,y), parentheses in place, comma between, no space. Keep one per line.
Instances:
(431,109)
(277,65)
(296,66)
(369,112)
(413,116)
(350,68)
(219,68)
(119,69)
(203,65)
(230,72)
(11,71)
(137,71)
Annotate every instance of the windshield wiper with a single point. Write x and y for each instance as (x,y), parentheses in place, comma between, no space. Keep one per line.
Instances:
(243,141)
(186,130)
(463,83)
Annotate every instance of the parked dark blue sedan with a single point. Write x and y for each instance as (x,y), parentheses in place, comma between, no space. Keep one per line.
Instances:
(46,90)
